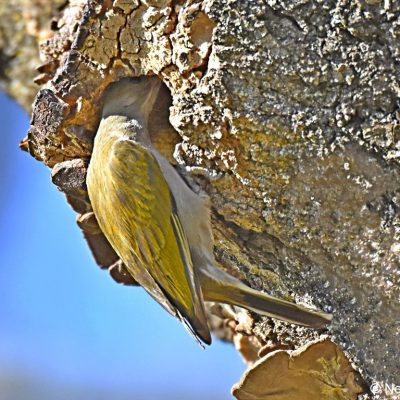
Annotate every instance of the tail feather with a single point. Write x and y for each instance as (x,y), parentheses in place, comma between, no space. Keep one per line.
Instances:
(223,288)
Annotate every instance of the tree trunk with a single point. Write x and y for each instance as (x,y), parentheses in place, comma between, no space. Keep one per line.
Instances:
(287,114)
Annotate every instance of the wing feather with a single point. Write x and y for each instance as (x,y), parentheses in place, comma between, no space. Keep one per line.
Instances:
(148,235)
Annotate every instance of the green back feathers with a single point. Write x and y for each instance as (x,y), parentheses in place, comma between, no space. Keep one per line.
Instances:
(135,210)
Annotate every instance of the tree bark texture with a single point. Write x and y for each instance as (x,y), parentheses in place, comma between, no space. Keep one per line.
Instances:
(285,113)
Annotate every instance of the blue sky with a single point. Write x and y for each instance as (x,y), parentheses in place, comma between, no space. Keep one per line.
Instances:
(66,329)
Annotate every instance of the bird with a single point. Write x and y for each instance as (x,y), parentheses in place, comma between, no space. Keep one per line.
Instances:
(159,226)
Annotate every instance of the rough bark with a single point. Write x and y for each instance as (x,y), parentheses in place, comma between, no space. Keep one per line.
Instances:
(287,114)
(24,25)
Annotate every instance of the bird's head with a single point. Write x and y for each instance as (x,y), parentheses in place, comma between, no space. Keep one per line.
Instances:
(131,97)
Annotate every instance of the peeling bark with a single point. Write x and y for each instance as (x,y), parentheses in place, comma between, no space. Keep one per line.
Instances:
(286,114)
(318,370)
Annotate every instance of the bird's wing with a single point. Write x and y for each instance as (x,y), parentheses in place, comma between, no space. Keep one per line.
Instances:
(159,256)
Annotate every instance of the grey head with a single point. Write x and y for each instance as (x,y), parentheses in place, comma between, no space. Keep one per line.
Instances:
(132,97)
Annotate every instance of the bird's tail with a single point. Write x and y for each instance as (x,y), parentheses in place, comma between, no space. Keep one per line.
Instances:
(221,287)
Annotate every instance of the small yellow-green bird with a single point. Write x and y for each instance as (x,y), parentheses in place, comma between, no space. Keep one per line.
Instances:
(158,225)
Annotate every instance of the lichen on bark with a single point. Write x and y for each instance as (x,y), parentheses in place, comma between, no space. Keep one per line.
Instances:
(287,115)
